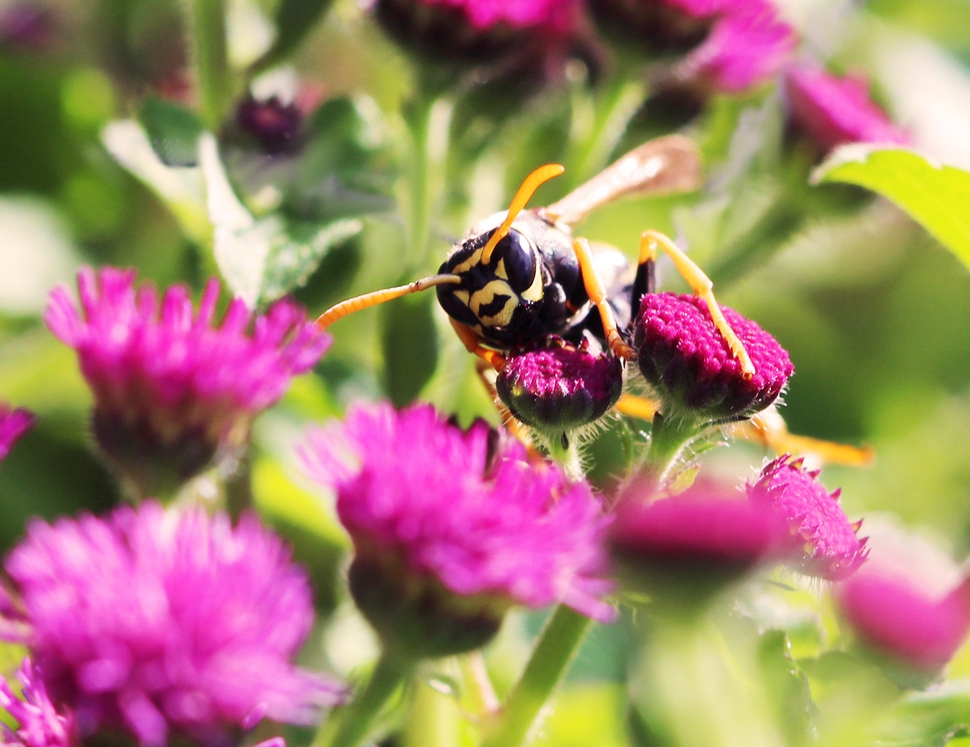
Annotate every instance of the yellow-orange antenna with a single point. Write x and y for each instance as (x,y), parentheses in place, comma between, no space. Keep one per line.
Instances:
(358,303)
(532,182)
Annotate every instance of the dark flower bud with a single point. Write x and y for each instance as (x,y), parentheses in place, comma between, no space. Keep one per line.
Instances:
(273,125)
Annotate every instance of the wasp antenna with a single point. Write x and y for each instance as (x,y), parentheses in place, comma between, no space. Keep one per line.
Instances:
(358,303)
(528,187)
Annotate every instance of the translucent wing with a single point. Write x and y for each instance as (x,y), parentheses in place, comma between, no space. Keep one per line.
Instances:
(662,166)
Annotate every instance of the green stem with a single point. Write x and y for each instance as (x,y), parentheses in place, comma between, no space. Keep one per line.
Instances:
(564,450)
(417,114)
(668,438)
(557,647)
(211,60)
(349,726)
(433,719)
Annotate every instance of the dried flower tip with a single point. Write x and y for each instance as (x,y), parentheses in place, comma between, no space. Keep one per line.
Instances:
(823,541)
(684,356)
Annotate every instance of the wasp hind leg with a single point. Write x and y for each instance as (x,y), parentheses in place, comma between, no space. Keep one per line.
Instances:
(597,294)
(699,283)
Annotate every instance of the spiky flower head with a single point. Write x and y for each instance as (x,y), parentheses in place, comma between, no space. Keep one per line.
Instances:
(831,110)
(559,387)
(167,623)
(171,384)
(823,541)
(14,423)
(688,361)
(685,548)
(451,527)
(39,722)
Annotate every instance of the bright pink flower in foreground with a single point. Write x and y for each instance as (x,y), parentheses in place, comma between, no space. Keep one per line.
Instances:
(897,618)
(431,498)
(833,110)
(167,623)
(483,14)
(685,357)
(13,425)
(824,543)
(40,723)
(744,49)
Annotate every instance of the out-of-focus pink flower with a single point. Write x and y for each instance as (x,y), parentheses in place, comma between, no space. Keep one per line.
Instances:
(40,723)
(832,110)
(14,423)
(171,384)
(823,541)
(167,623)
(686,358)
(484,14)
(445,507)
(905,622)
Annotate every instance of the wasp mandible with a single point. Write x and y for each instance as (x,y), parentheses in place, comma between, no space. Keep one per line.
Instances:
(519,276)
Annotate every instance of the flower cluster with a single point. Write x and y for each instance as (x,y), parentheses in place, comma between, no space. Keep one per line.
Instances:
(165,623)
(170,384)
(447,518)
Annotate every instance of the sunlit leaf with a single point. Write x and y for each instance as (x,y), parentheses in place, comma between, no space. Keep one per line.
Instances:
(173,131)
(936,196)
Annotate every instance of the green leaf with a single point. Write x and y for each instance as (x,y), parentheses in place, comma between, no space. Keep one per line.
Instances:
(409,341)
(297,252)
(936,196)
(172,130)
(294,20)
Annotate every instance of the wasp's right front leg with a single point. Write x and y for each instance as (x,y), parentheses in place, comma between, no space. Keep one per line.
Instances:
(473,343)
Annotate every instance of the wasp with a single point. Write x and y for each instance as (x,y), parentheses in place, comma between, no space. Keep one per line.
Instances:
(519,277)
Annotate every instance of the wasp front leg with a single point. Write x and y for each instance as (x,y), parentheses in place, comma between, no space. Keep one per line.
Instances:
(700,284)
(473,344)
(597,294)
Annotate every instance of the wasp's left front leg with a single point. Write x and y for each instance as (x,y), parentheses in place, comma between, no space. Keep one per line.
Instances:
(597,294)
(473,343)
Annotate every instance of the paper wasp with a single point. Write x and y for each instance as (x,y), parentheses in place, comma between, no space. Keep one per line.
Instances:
(519,277)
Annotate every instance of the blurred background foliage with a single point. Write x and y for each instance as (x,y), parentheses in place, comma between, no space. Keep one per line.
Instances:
(875,314)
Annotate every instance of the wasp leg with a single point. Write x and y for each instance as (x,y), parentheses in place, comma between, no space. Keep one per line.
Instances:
(769,428)
(473,343)
(597,294)
(509,421)
(701,285)
(638,407)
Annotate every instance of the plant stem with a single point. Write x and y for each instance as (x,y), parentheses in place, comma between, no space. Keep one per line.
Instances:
(349,726)
(433,719)
(668,437)
(564,450)
(557,647)
(417,114)
(211,60)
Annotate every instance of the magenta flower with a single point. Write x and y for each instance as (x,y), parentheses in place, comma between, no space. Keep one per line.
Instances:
(167,623)
(517,14)
(465,527)
(13,425)
(745,48)
(823,541)
(904,622)
(170,384)
(832,110)
(684,356)
(687,547)
(41,724)
(560,388)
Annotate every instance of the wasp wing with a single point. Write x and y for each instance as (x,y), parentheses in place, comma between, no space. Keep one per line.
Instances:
(662,166)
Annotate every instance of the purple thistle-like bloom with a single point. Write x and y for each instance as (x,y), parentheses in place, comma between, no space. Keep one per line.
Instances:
(167,623)
(832,110)
(685,357)
(824,542)
(518,14)
(41,724)
(275,126)
(446,509)
(744,49)
(560,387)
(170,383)
(14,423)
(903,621)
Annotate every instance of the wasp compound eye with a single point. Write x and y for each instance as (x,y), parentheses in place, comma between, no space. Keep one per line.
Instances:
(515,259)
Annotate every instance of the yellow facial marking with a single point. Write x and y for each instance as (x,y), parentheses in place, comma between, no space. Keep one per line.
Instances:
(469,263)
(534,291)
(500,269)
(486,295)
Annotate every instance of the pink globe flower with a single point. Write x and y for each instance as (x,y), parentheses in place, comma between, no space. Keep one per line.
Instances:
(831,110)
(905,622)
(687,360)
(823,541)
(744,49)
(167,623)
(40,723)
(171,385)
(13,425)
(451,529)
